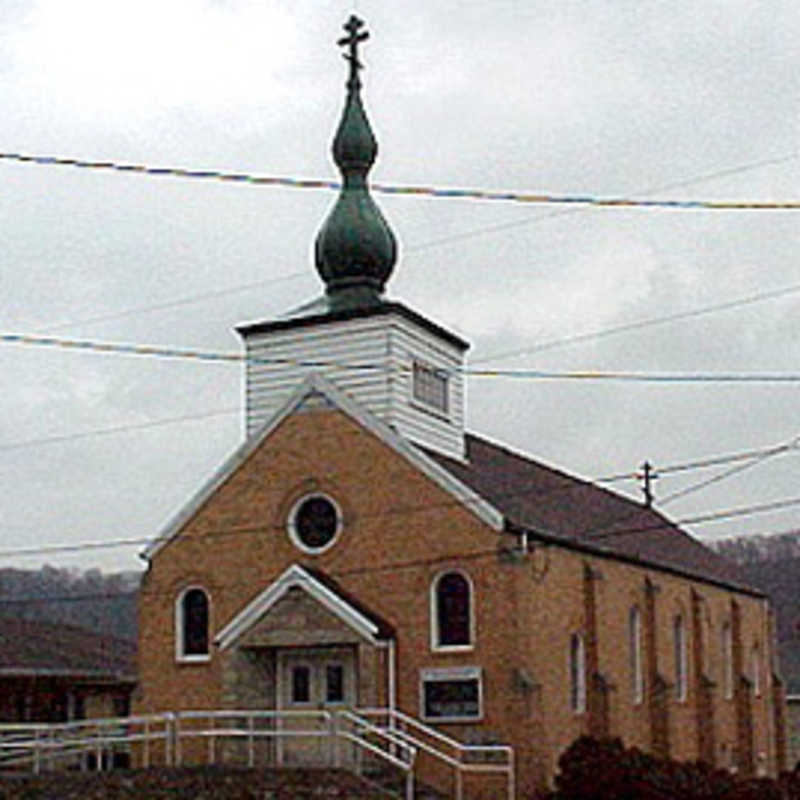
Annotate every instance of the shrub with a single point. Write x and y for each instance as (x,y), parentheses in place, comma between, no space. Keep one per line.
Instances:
(593,769)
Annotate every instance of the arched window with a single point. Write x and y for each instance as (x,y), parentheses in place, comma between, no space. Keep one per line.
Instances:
(679,641)
(451,607)
(191,622)
(577,674)
(635,654)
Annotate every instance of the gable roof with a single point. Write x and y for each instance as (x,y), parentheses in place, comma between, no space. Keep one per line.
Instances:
(314,390)
(555,506)
(31,647)
(322,589)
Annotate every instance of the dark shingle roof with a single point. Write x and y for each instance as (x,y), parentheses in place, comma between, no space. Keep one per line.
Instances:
(33,647)
(385,629)
(556,505)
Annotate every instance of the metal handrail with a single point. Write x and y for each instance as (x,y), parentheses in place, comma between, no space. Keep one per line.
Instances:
(402,738)
(56,741)
(394,717)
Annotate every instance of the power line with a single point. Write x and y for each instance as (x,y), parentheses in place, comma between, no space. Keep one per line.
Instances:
(664,187)
(645,323)
(459,237)
(586,536)
(183,301)
(136,426)
(476,554)
(729,473)
(594,201)
(156,351)
(758,458)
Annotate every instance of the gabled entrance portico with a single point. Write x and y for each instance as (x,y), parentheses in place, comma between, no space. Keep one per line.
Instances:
(303,645)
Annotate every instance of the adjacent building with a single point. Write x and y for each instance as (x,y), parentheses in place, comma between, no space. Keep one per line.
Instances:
(60,673)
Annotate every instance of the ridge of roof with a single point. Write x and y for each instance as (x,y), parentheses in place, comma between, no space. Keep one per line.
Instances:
(572,511)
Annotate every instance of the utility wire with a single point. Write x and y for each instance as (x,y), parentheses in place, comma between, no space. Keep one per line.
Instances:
(596,531)
(470,234)
(183,301)
(136,426)
(645,323)
(489,552)
(753,461)
(594,201)
(664,187)
(587,536)
(157,351)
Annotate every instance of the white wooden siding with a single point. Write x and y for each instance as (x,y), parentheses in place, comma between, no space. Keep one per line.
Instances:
(386,346)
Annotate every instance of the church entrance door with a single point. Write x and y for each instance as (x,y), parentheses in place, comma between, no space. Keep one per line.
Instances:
(313,680)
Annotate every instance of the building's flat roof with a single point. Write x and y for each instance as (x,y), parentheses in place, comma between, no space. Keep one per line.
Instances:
(318,312)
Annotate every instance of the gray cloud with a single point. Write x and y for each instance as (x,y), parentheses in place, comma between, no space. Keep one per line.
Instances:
(584,97)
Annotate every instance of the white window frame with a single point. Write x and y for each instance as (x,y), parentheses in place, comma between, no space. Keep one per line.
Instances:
(576,670)
(181,655)
(681,658)
(450,675)
(635,654)
(419,396)
(291,524)
(436,644)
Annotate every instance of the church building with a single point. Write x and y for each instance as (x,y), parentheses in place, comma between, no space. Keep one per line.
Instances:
(362,549)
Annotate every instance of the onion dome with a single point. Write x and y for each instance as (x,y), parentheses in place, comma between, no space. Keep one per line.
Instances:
(355,250)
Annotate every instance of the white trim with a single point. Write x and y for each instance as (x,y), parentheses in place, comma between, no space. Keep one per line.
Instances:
(317,384)
(180,628)
(392,680)
(295,577)
(291,524)
(435,633)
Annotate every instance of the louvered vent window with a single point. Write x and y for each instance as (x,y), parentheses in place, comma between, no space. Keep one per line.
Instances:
(430,387)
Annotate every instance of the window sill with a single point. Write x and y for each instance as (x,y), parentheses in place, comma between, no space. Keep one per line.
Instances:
(452,720)
(198,659)
(444,416)
(446,649)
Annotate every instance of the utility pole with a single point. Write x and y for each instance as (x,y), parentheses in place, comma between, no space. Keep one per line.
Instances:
(647,476)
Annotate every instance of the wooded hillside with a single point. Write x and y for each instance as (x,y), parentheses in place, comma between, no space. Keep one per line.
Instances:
(102,603)
(772,563)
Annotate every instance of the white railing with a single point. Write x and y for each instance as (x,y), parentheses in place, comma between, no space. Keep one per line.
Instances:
(41,746)
(353,740)
(462,758)
(332,729)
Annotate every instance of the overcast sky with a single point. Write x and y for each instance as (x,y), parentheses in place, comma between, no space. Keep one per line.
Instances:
(671,99)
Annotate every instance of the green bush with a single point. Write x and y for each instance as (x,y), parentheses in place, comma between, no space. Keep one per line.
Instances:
(593,769)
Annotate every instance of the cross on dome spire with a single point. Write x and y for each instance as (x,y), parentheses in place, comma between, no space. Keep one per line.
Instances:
(355,250)
(352,41)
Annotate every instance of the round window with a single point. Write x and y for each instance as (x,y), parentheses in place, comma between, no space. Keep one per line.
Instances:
(314,523)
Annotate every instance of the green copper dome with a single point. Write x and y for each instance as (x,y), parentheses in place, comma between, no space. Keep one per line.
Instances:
(355,250)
